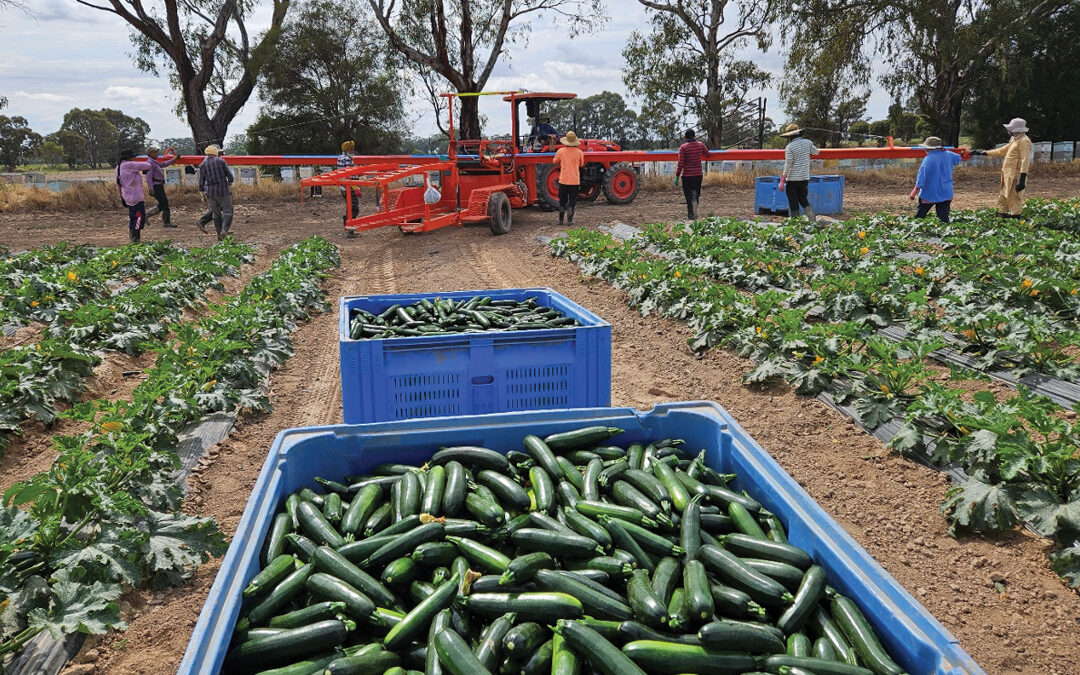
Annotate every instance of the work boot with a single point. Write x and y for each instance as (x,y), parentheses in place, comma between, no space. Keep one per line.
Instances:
(562,216)
(153,211)
(809,213)
(167,224)
(570,219)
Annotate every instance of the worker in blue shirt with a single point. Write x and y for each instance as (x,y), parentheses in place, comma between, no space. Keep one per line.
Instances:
(542,133)
(934,183)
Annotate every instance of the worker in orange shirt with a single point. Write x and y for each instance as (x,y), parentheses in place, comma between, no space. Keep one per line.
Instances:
(570,160)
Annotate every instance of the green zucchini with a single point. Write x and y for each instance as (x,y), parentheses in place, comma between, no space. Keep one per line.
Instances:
(585,437)
(522,639)
(611,473)
(649,540)
(596,649)
(568,494)
(698,593)
(733,603)
(731,570)
(634,630)
(358,551)
(287,589)
(332,508)
(336,564)
(745,522)
(857,629)
(419,617)
(811,590)
(645,602)
(523,568)
(275,540)
(591,479)
(539,662)
(582,457)
(774,663)
(434,553)
(289,644)
(440,623)
(624,541)
(722,495)
(455,656)
(822,649)
(454,489)
(327,587)
(319,611)
(746,546)
(678,611)
(315,524)
(680,497)
(690,528)
(484,510)
(823,625)
(528,606)
(404,544)
(564,661)
(374,661)
(360,509)
(595,603)
(545,458)
(543,521)
(666,578)
(303,548)
(586,527)
(570,472)
(559,543)
(627,495)
(468,455)
(400,572)
(649,485)
(279,568)
(490,646)
(610,565)
(433,492)
(741,635)
(672,657)
(543,488)
(788,575)
(635,455)
(480,554)
(378,520)
(798,645)
(629,514)
(506,489)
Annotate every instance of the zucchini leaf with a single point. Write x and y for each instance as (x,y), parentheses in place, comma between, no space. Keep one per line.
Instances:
(176,543)
(1066,563)
(78,605)
(975,506)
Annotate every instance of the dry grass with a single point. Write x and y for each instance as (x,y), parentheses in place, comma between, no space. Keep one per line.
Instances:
(103,195)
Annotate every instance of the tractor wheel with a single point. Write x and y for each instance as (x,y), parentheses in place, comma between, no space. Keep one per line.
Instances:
(499,212)
(547,187)
(620,183)
(589,192)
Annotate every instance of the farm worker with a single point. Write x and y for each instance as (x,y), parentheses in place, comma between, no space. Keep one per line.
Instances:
(129,179)
(691,152)
(570,159)
(155,180)
(934,182)
(345,160)
(542,133)
(1014,169)
(795,180)
(215,177)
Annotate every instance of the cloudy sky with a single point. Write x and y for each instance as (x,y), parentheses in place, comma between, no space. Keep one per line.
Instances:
(67,55)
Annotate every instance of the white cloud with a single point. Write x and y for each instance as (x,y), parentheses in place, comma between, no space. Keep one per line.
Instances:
(134,94)
(583,73)
(41,96)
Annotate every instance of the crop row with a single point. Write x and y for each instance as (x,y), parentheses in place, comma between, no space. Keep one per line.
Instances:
(34,378)
(1020,453)
(105,516)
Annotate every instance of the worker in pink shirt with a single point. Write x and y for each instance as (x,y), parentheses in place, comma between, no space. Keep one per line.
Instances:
(129,177)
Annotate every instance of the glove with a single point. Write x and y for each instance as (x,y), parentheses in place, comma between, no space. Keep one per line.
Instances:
(1022,183)
(781,186)
(914,194)
(676,181)
(978,152)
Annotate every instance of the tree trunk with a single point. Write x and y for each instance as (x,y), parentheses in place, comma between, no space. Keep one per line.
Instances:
(468,127)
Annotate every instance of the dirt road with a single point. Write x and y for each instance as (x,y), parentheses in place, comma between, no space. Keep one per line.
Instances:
(889,505)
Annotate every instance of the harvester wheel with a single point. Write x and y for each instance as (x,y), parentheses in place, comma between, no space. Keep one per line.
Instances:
(620,183)
(547,187)
(589,192)
(499,212)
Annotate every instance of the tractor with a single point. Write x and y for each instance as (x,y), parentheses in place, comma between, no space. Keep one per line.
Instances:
(477,181)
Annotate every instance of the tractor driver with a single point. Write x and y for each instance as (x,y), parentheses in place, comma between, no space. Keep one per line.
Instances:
(542,134)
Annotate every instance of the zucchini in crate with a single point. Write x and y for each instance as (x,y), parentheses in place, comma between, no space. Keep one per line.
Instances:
(657,571)
(443,316)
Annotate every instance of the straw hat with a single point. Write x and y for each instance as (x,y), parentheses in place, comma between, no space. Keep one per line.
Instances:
(791,130)
(212,150)
(932,143)
(153,150)
(348,146)
(570,139)
(1016,125)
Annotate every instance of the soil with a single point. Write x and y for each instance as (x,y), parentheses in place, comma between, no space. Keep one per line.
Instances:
(999,597)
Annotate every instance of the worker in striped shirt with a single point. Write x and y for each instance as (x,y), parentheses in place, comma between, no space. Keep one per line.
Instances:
(795,180)
(691,154)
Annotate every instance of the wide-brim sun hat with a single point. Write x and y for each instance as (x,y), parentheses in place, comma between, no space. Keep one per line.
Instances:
(212,150)
(791,130)
(348,146)
(932,143)
(153,150)
(570,139)
(1016,125)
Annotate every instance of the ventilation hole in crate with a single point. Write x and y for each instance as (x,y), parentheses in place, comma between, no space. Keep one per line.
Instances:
(426,395)
(531,387)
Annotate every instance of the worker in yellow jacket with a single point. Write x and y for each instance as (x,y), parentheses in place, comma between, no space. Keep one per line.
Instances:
(1014,169)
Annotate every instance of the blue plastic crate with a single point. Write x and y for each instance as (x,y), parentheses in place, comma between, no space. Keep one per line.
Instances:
(474,373)
(826,195)
(918,642)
